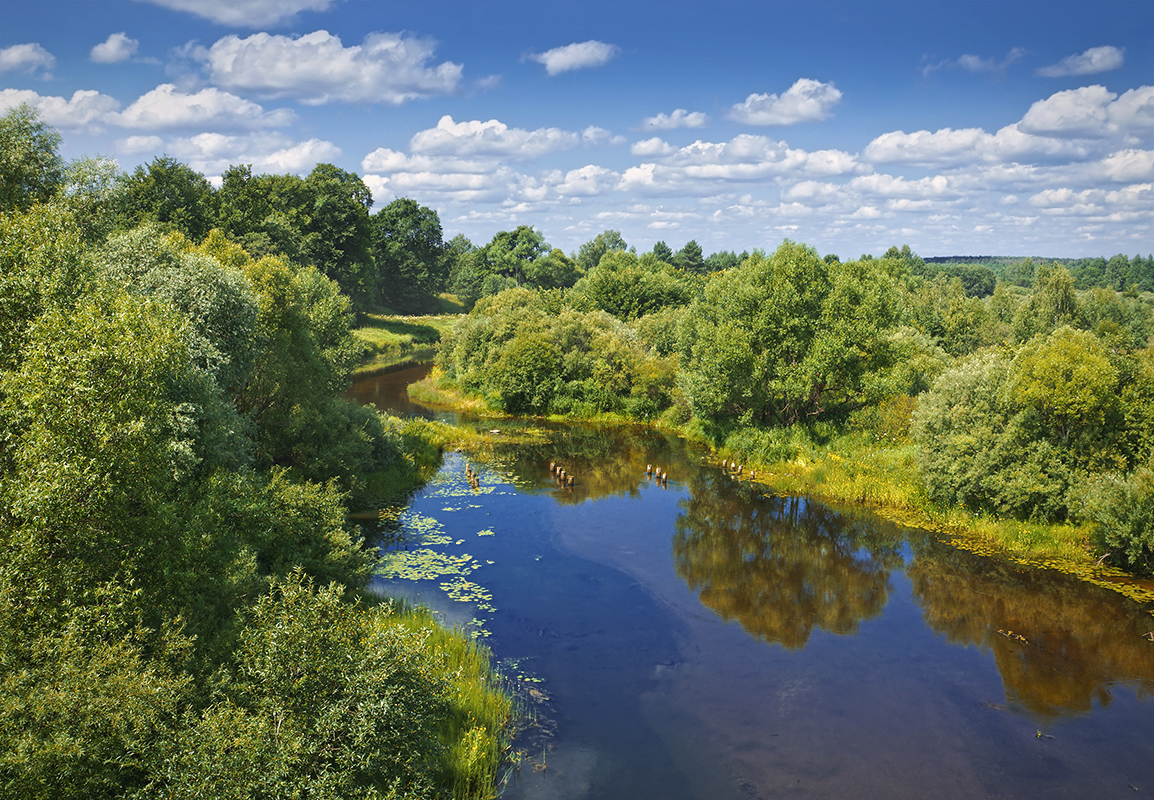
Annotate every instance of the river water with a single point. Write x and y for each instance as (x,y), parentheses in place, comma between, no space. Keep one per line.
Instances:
(699,639)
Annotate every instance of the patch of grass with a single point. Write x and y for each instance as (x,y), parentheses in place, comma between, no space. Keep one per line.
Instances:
(395,339)
(476,723)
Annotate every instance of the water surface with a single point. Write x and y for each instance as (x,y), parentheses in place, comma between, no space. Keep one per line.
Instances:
(699,639)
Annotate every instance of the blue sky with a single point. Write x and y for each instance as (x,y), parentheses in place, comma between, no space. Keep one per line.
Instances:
(957,128)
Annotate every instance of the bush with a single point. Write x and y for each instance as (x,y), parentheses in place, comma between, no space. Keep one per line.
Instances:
(1122,510)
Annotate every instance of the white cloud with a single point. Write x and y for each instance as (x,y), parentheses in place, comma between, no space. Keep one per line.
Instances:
(588,181)
(680,118)
(247,13)
(813,192)
(491,139)
(972,63)
(28,58)
(1127,166)
(652,148)
(87,110)
(116,48)
(1092,112)
(578,55)
(1091,62)
(165,107)
(890,186)
(316,68)
(967,145)
(135,145)
(806,101)
(212,153)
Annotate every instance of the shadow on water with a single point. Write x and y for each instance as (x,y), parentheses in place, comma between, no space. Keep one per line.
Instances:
(700,639)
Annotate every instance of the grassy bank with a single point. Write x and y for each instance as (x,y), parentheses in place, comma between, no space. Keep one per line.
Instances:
(394,339)
(874,467)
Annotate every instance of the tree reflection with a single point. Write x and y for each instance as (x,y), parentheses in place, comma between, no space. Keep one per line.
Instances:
(1059,643)
(604,461)
(781,566)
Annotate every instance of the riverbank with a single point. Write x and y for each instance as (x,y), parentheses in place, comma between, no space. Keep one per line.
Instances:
(857,470)
(391,341)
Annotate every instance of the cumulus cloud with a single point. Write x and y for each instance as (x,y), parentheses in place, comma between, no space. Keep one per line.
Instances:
(947,147)
(680,118)
(116,48)
(700,168)
(27,58)
(212,153)
(587,181)
(135,145)
(806,101)
(1092,112)
(87,110)
(492,139)
(246,13)
(1091,62)
(578,55)
(165,107)
(652,148)
(317,68)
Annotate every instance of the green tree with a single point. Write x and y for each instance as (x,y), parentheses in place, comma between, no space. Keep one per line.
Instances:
(663,252)
(788,338)
(170,193)
(553,271)
(590,254)
(31,170)
(410,254)
(510,253)
(338,232)
(690,258)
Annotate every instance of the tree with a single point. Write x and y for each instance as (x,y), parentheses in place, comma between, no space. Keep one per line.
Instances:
(31,170)
(510,253)
(409,253)
(171,193)
(553,271)
(690,258)
(591,253)
(788,338)
(663,252)
(338,232)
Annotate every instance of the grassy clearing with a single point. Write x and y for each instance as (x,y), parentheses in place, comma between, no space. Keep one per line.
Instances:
(392,339)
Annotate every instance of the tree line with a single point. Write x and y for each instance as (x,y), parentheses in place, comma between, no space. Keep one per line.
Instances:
(1031,402)
(183,601)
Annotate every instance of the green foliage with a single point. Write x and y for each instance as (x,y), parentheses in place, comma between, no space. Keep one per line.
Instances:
(171,194)
(629,287)
(409,253)
(590,254)
(1122,509)
(690,258)
(31,170)
(788,338)
(529,354)
(1015,432)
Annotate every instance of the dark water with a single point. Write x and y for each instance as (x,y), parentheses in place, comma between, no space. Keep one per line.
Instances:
(701,640)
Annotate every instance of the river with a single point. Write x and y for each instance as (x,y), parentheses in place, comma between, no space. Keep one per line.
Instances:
(699,639)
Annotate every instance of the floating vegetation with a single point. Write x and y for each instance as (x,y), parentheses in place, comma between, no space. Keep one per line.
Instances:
(465,591)
(486,532)
(425,564)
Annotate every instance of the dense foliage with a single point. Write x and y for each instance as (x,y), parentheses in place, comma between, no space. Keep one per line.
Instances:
(182,597)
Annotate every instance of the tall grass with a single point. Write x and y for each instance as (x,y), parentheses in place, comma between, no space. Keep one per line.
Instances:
(390,339)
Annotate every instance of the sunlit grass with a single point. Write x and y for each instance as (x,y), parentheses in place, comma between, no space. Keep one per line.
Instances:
(394,339)
(476,723)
